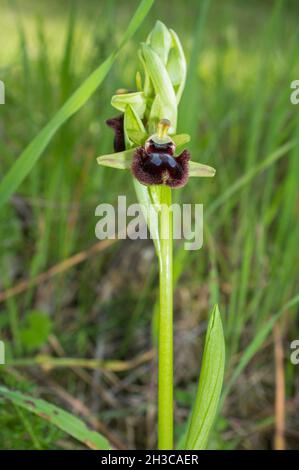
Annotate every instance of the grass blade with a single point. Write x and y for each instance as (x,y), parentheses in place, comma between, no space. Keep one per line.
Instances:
(250,174)
(60,418)
(256,344)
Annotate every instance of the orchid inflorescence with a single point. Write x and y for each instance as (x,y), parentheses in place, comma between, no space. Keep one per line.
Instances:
(145,140)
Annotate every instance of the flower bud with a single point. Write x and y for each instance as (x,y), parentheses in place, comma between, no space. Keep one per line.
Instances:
(160,40)
(134,129)
(176,66)
(165,104)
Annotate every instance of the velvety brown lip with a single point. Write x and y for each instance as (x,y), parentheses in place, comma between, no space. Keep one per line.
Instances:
(158,165)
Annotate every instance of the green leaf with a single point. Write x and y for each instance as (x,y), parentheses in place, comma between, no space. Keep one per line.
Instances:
(197,169)
(31,154)
(37,328)
(120,160)
(209,387)
(60,418)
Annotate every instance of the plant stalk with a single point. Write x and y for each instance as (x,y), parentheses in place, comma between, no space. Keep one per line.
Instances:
(165,346)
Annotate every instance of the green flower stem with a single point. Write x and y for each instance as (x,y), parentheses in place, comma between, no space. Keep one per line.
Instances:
(165,347)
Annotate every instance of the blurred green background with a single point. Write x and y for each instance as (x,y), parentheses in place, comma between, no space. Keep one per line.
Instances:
(99,302)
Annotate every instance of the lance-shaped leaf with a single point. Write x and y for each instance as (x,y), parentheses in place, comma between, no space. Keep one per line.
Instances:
(209,387)
(197,169)
(120,160)
(165,102)
(176,66)
(136,100)
(65,421)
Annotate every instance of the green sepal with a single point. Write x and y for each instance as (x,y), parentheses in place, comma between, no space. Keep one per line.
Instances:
(181,139)
(120,160)
(198,169)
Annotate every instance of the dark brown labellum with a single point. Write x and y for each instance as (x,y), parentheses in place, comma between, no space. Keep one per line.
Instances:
(156,164)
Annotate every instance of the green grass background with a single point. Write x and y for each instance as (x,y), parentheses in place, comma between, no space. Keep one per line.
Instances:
(242,57)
